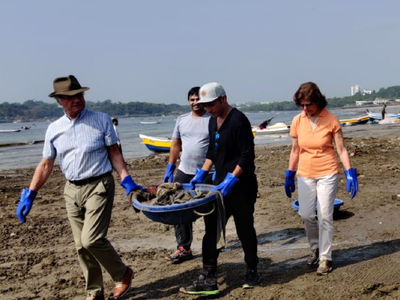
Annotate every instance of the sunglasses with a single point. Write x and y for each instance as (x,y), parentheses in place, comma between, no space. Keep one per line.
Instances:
(216,140)
(306,104)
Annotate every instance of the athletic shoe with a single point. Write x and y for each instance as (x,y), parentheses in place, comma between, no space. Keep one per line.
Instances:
(325,266)
(252,279)
(180,255)
(313,258)
(202,286)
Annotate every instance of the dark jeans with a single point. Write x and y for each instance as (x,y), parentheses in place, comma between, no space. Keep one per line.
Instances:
(184,232)
(239,204)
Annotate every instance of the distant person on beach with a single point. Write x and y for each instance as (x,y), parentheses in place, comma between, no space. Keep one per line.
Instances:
(115,124)
(86,145)
(191,136)
(231,150)
(313,132)
(383,111)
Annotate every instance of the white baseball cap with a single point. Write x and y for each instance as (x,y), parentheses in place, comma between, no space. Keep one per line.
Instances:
(210,91)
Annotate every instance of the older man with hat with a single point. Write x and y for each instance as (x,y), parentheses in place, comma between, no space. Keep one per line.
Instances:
(86,144)
(231,151)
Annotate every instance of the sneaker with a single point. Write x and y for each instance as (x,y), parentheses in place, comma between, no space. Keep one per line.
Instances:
(252,279)
(202,286)
(325,266)
(180,255)
(313,258)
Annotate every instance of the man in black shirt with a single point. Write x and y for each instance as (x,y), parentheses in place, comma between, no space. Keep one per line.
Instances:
(231,150)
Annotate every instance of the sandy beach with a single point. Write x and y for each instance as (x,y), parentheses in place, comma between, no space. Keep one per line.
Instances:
(38,259)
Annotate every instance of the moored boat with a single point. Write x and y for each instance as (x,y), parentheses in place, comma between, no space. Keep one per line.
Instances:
(9,130)
(277,128)
(150,122)
(156,144)
(355,121)
(376,116)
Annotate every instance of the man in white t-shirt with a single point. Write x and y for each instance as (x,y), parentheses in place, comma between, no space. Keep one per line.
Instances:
(190,136)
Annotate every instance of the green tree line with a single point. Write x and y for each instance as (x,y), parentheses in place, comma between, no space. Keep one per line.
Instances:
(39,110)
(392,92)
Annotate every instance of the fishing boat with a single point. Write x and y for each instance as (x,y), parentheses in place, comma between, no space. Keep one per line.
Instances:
(277,128)
(156,144)
(151,122)
(376,116)
(9,130)
(355,121)
(265,123)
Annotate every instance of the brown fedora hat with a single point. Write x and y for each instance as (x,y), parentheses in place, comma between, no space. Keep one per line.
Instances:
(67,86)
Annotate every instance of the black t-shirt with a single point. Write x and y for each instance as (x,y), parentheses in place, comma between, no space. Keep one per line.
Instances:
(235,146)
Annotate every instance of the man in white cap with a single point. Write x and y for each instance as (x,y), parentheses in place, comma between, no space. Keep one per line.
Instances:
(86,144)
(231,151)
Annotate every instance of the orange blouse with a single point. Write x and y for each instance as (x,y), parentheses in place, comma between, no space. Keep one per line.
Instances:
(317,156)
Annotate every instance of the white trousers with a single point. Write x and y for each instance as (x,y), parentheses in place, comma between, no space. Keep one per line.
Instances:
(323,191)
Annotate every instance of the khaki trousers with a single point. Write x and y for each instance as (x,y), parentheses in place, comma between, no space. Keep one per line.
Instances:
(89,209)
(319,232)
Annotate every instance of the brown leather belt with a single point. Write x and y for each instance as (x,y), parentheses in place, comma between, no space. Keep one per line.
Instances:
(89,180)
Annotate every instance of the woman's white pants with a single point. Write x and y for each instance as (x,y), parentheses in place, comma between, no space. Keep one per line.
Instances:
(321,190)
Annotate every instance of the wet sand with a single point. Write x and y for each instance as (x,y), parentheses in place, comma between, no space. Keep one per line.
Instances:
(38,259)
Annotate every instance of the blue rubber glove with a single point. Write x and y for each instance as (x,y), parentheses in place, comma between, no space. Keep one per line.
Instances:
(225,186)
(169,173)
(25,204)
(289,183)
(129,185)
(198,177)
(351,181)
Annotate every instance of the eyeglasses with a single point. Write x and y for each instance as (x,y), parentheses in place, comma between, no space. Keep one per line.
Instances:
(306,104)
(216,140)
(211,104)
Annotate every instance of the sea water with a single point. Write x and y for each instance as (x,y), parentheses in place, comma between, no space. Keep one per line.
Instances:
(30,154)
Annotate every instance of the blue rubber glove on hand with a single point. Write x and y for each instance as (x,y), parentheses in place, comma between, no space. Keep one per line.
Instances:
(198,177)
(225,186)
(289,183)
(351,181)
(130,186)
(169,173)
(25,204)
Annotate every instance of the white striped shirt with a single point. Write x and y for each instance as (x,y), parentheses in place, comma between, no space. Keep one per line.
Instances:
(81,144)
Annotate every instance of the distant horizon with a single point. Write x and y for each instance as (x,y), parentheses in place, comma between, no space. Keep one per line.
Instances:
(51,100)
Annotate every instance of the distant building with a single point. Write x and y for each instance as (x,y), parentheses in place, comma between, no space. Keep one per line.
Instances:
(354,89)
(366,92)
(380,101)
(361,103)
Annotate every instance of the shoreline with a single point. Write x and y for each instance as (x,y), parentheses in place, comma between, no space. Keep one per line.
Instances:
(349,132)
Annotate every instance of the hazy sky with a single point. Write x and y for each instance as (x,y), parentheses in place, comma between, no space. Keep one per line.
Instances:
(154,51)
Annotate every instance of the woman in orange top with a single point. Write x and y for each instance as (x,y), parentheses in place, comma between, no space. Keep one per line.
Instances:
(313,133)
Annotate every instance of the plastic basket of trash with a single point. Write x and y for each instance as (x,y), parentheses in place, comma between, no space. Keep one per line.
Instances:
(336,205)
(181,213)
